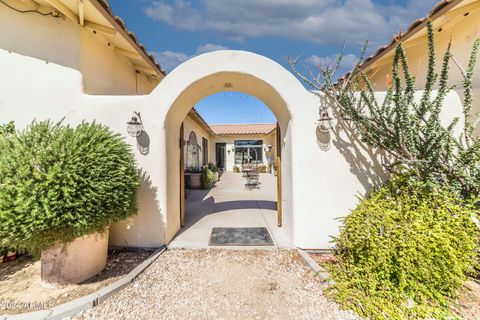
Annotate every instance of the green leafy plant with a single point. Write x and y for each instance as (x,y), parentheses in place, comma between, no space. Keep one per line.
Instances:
(208,178)
(236,169)
(7,129)
(212,167)
(59,183)
(404,252)
(262,168)
(406,125)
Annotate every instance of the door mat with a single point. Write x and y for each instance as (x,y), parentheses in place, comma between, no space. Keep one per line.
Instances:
(240,237)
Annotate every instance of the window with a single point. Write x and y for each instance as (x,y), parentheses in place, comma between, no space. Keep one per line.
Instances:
(205,151)
(192,152)
(248,151)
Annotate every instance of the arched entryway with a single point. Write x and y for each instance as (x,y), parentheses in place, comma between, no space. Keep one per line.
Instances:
(251,74)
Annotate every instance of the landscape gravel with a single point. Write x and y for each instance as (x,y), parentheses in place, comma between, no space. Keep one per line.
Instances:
(223,284)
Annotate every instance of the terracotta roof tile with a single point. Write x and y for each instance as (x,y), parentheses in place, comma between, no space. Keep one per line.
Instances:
(243,129)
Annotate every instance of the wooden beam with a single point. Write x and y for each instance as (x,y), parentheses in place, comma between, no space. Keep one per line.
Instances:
(100,28)
(145,69)
(63,9)
(81,12)
(128,54)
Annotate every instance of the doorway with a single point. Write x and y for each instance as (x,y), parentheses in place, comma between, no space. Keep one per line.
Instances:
(220,155)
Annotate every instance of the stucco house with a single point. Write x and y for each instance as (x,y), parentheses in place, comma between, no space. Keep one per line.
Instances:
(74,60)
(227,145)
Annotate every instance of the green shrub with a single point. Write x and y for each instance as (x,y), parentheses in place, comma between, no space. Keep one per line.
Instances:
(59,183)
(7,129)
(236,169)
(213,167)
(405,251)
(208,178)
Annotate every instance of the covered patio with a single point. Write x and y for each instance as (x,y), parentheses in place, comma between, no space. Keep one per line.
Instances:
(230,204)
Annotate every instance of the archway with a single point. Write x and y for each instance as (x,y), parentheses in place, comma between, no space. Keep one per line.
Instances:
(251,74)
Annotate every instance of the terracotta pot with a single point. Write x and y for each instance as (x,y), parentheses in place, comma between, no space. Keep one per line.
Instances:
(195,181)
(76,261)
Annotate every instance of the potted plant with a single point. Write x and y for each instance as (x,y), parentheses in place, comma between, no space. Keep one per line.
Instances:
(62,187)
(194,176)
(236,169)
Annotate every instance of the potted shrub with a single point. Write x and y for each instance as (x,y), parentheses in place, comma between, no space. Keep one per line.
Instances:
(61,189)
(262,168)
(236,169)
(194,177)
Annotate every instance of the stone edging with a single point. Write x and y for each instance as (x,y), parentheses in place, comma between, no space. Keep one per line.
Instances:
(319,271)
(87,302)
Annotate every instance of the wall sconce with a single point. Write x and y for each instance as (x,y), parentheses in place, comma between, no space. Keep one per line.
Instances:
(324,124)
(135,125)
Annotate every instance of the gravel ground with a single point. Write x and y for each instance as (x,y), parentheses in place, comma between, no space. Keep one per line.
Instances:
(222,284)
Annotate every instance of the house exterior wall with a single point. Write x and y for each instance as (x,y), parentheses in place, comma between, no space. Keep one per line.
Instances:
(189,125)
(318,186)
(57,43)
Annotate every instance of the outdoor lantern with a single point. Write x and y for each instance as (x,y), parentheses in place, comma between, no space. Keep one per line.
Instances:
(135,126)
(325,122)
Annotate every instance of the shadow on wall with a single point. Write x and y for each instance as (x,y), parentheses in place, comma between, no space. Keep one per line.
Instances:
(147,227)
(365,163)
(143,143)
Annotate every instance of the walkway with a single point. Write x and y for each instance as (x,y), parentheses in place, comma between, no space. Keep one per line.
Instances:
(223,284)
(230,204)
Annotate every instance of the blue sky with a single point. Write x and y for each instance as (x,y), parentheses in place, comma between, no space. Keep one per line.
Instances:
(176,30)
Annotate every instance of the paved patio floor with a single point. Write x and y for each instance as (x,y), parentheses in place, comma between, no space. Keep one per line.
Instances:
(230,204)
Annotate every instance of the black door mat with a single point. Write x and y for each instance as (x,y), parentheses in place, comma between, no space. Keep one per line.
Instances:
(240,237)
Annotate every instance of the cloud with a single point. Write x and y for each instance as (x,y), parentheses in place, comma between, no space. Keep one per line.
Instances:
(169,60)
(348,61)
(209,47)
(323,22)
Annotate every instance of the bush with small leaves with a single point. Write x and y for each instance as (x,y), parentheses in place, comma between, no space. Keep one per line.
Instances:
(208,178)
(405,251)
(59,183)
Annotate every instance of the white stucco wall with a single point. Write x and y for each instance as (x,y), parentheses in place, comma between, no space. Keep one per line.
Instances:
(318,186)
(191,126)
(58,41)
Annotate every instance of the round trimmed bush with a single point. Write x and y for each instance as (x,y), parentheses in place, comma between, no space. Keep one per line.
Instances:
(404,252)
(208,178)
(59,183)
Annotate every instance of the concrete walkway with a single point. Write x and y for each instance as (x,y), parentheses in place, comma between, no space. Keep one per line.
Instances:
(230,204)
